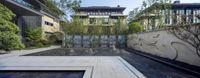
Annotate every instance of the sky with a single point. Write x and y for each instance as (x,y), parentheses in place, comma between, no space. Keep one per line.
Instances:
(129,4)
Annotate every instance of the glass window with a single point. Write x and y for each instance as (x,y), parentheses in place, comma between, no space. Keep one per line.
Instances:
(188,12)
(167,20)
(105,21)
(100,13)
(189,18)
(24,3)
(106,13)
(182,12)
(48,23)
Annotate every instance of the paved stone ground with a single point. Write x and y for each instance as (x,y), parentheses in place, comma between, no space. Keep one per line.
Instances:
(94,66)
(23,52)
(41,74)
(148,67)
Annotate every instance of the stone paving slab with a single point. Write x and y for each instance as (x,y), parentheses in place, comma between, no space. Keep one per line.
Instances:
(23,52)
(87,70)
(95,66)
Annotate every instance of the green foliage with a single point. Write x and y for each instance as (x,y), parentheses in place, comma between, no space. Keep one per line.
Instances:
(56,38)
(151,10)
(132,14)
(155,6)
(5,13)
(67,27)
(34,37)
(52,7)
(120,28)
(34,34)
(7,26)
(10,41)
(94,42)
(67,6)
(8,31)
(135,27)
(52,38)
(6,16)
(75,27)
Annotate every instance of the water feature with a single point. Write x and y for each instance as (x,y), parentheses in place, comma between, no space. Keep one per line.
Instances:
(41,74)
(95,41)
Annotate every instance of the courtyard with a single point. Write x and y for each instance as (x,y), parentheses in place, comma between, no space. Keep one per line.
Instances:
(99,61)
(99,39)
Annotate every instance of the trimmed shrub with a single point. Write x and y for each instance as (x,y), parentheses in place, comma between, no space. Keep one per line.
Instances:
(9,39)
(34,34)
(135,27)
(56,38)
(34,37)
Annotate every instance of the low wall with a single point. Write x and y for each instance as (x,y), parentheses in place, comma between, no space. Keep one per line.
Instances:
(103,41)
(164,44)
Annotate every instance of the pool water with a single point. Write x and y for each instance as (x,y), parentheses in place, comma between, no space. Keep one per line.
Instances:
(38,74)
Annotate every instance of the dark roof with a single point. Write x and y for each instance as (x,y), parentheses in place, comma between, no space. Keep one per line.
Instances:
(186,5)
(96,8)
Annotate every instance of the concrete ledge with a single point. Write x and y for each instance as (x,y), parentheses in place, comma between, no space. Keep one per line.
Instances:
(131,68)
(87,70)
(24,52)
(95,66)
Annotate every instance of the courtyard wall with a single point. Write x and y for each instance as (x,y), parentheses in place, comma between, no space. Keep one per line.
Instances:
(164,44)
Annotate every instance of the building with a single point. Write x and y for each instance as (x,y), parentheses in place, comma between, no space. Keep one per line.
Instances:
(170,14)
(101,17)
(32,13)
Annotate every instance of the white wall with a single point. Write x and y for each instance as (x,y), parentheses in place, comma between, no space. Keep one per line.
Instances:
(164,44)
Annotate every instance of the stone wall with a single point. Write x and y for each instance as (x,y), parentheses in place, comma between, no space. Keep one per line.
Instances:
(48,28)
(164,44)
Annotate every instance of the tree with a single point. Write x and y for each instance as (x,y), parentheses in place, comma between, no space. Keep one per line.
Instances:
(67,6)
(51,7)
(135,27)
(120,27)
(73,27)
(158,9)
(187,31)
(56,38)
(34,37)
(132,14)
(9,39)
(34,34)
(144,4)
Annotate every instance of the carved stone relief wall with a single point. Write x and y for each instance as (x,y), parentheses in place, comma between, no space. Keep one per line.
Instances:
(164,44)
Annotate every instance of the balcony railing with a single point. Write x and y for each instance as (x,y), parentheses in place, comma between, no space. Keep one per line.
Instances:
(26,4)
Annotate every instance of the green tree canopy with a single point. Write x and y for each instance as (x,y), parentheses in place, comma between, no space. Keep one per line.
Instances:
(61,8)
(67,6)
(34,35)
(135,27)
(8,31)
(73,27)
